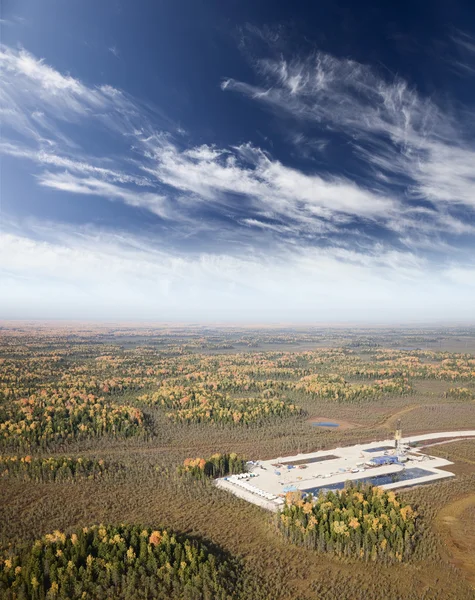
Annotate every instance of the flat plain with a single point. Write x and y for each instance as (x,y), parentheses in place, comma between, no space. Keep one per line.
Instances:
(135,402)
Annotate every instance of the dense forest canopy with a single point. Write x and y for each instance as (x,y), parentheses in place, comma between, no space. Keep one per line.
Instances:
(116,562)
(359,521)
(55,468)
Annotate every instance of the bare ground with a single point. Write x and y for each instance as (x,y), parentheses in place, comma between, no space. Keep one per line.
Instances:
(456,522)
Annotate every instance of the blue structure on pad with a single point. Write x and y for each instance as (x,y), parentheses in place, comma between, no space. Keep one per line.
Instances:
(385,460)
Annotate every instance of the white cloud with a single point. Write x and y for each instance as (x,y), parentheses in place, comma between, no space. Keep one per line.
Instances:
(93,186)
(391,126)
(67,273)
(339,93)
(30,82)
(212,173)
(464,276)
(265,225)
(270,185)
(50,159)
(274,240)
(115,51)
(38,99)
(465,41)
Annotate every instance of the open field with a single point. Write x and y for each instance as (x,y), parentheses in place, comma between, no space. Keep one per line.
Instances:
(460,450)
(439,416)
(456,521)
(146,399)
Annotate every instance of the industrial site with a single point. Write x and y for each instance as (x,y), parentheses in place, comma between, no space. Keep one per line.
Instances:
(397,463)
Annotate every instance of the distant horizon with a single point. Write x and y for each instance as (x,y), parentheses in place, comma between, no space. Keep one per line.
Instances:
(237,324)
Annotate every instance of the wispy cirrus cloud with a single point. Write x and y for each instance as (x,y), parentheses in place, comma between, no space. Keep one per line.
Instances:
(464,41)
(115,51)
(93,186)
(247,171)
(240,183)
(389,124)
(37,101)
(250,220)
(31,82)
(50,159)
(405,137)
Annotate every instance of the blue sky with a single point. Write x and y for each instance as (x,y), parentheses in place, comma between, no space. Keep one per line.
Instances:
(237,161)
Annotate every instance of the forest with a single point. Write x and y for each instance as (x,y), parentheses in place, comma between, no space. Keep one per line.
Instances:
(117,433)
(116,562)
(217,465)
(361,521)
(55,468)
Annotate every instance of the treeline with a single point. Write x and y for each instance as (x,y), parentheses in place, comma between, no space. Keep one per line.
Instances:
(334,387)
(54,468)
(199,406)
(217,465)
(420,364)
(360,521)
(46,419)
(460,394)
(233,411)
(52,392)
(124,562)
